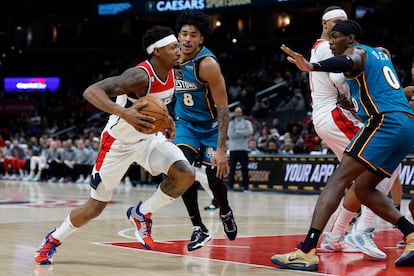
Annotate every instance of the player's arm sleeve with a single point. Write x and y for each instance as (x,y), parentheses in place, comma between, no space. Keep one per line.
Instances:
(336,64)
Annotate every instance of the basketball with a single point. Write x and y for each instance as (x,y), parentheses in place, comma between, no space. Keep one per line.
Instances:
(156,109)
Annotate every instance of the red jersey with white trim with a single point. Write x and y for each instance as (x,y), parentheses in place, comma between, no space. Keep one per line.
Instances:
(164,90)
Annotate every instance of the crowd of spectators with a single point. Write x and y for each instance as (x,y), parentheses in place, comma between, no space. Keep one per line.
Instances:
(53,137)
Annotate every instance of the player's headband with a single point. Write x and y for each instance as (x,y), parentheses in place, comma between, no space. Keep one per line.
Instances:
(161,43)
(348,27)
(334,14)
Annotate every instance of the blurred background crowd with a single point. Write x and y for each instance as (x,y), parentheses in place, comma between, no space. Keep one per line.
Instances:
(72,41)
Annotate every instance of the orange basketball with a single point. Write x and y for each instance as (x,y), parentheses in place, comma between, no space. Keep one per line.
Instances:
(156,109)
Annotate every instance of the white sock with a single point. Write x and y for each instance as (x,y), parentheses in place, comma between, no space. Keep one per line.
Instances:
(366,219)
(64,230)
(342,220)
(155,202)
(386,184)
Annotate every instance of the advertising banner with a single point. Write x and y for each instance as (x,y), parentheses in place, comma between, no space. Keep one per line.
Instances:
(304,173)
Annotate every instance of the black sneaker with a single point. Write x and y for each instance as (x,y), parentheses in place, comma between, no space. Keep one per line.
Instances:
(230,227)
(198,238)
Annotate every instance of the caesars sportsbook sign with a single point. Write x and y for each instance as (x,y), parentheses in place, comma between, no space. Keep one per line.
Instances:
(134,7)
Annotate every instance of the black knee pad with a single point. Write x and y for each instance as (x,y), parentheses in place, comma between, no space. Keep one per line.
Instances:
(189,153)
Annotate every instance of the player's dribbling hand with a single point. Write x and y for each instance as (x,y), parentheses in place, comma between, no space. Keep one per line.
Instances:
(139,121)
(169,131)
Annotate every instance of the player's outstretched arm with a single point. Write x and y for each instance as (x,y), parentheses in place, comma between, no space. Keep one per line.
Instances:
(297,59)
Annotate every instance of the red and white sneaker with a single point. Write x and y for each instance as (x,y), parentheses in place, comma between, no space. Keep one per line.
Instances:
(142,224)
(46,250)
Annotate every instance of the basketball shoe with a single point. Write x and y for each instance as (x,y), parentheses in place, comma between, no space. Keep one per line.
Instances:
(142,224)
(213,206)
(401,243)
(333,243)
(297,260)
(229,224)
(198,238)
(364,242)
(46,250)
(407,257)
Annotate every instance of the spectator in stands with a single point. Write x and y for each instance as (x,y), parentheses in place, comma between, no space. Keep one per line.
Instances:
(263,138)
(94,149)
(38,159)
(295,131)
(1,141)
(275,127)
(15,162)
(82,167)
(287,147)
(261,108)
(253,149)
(272,146)
(6,153)
(234,90)
(239,131)
(54,162)
(246,100)
(311,140)
(68,161)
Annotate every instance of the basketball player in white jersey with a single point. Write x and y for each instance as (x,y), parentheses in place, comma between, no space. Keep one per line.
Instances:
(123,142)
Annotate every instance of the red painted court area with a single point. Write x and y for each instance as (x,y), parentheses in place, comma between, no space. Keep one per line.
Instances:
(258,250)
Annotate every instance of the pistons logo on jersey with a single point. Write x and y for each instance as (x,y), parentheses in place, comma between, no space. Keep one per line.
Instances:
(182,85)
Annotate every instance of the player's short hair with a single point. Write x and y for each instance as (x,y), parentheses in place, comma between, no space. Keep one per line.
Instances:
(195,18)
(154,34)
(348,27)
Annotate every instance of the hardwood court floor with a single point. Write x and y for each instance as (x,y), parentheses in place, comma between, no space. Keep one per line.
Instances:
(268,223)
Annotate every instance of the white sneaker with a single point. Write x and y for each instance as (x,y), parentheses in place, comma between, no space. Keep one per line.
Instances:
(127,183)
(401,243)
(364,242)
(37,177)
(333,243)
(29,177)
(87,180)
(80,180)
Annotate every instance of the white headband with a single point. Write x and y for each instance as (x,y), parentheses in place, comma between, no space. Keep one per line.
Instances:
(161,43)
(334,14)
